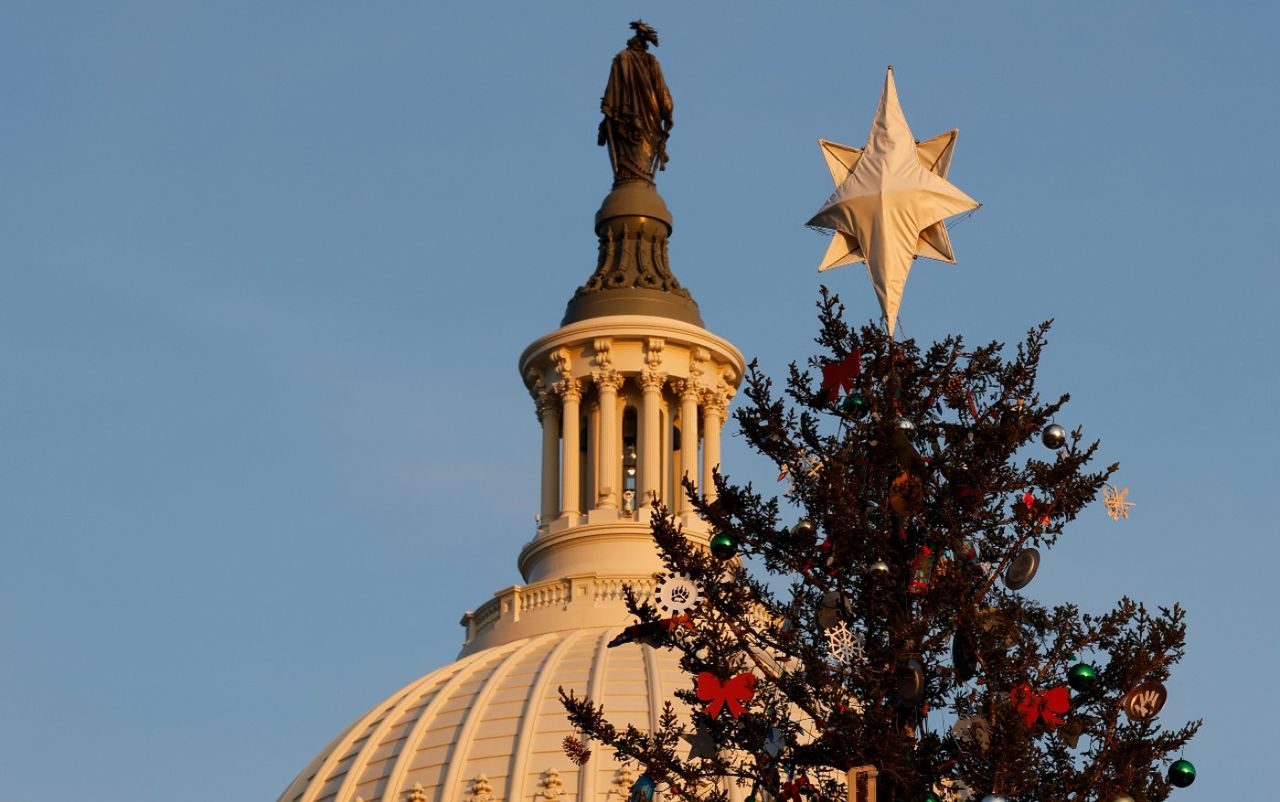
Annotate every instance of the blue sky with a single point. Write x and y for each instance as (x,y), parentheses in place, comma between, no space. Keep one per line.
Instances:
(267,269)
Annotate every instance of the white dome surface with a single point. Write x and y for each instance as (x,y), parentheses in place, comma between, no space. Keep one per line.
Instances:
(490,727)
(496,713)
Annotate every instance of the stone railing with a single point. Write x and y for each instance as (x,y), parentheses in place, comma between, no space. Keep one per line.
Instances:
(582,594)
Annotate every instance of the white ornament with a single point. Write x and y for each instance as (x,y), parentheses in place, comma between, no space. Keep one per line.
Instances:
(844,645)
(890,202)
(677,594)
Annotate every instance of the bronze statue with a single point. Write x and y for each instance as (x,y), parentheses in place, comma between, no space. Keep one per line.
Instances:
(637,110)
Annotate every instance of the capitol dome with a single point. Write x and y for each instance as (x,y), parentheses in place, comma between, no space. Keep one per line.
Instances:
(631,400)
(490,726)
(631,393)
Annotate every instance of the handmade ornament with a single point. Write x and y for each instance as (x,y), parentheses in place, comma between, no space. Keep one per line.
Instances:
(677,594)
(701,744)
(1047,707)
(972,730)
(921,571)
(1144,702)
(906,494)
(733,693)
(844,645)
(723,546)
(1054,436)
(829,611)
(861,782)
(890,202)
(1182,773)
(774,742)
(1022,569)
(911,682)
(1076,726)
(642,790)
(1082,677)
(837,376)
(1116,502)
(652,633)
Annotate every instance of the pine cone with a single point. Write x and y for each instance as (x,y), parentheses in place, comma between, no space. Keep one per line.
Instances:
(954,394)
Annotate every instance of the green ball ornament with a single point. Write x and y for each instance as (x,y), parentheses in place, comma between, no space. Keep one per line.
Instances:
(930,796)
(854,404)
(1082,677)
(723,545)
(1182,773)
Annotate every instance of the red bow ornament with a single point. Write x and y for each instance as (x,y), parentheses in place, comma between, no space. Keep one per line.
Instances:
(1048,706)
(735,693)
(791,790)
(838,376)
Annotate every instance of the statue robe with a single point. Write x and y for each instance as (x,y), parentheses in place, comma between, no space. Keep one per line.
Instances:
(637,116)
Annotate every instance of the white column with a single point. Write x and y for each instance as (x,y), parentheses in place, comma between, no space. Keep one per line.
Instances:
(688,438)
(571,484)
(713,416)
(549,411)
(651,382)
(607,468)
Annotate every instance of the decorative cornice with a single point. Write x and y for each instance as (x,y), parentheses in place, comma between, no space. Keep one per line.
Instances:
(604,352)
(653,351)
(563,360)
(698,359)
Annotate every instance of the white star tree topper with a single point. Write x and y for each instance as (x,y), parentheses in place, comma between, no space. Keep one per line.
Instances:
(891,200)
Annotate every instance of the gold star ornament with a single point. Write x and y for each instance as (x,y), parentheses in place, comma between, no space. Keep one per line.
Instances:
(891,200)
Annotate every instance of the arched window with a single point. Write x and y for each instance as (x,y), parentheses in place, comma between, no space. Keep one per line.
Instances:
(629,459)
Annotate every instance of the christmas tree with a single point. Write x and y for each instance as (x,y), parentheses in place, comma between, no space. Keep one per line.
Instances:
(927,481)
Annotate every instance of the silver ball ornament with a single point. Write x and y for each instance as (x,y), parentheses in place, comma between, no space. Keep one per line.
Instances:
(803,527)
(994,798)
(907,425)
(1054,436)
(879,567)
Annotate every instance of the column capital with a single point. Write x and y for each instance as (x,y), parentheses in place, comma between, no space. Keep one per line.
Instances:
(569,389)
(652,379)
(545,399)
(607,378)
(686,389)
(716,401)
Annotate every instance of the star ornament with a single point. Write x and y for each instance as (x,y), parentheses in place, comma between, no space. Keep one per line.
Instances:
(1117,502)
(891,200)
